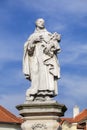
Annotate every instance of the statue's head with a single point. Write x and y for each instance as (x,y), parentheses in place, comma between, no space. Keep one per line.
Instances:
(40,23)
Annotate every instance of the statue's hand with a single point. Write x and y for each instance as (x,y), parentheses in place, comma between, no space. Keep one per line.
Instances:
(31,48)
(38,39)
(57,36)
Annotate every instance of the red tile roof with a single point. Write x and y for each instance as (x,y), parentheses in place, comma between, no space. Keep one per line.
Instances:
(80,117)
(8,117)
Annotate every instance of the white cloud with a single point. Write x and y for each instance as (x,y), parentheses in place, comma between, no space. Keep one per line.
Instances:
(11,77)
(72,91)
(73,52)
(57,26)
(10,49)
(75,84)
(11,101)
(75,7)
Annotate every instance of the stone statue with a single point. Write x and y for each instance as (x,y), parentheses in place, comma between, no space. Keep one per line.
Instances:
(40,64)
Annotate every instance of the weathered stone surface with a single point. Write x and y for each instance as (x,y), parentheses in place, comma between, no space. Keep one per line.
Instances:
(40,63)
(41,109)
(41,115)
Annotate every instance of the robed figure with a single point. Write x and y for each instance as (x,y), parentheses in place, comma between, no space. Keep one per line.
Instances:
(40,63)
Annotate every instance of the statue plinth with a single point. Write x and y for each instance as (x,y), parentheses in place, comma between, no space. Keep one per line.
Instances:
(41,115)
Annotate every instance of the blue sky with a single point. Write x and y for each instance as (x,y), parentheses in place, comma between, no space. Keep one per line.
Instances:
(69,18)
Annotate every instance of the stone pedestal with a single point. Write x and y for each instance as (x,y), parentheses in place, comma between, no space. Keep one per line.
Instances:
(41,115)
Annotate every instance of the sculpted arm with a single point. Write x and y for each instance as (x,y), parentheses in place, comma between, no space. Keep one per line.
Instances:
(54,43)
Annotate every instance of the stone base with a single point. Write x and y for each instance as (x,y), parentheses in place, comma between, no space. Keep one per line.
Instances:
(41,115)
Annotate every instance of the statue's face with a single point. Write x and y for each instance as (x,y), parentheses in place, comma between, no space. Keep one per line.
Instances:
(40,23)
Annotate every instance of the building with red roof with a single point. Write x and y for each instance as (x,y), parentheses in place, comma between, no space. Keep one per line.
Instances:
(79,122)
(8,121)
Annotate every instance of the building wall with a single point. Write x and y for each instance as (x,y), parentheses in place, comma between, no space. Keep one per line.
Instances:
(64,127)
(74,126)
(10,127)
(67,126)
